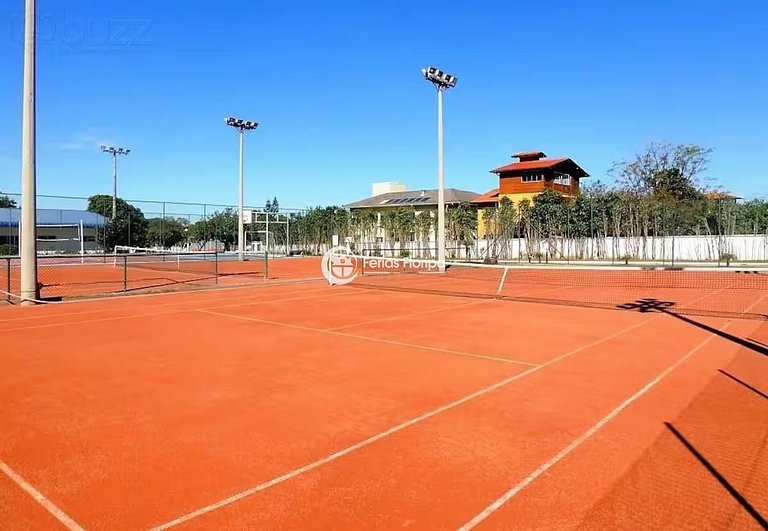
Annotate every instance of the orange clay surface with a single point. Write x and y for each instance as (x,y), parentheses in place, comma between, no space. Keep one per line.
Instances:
(69,278)
(305,406)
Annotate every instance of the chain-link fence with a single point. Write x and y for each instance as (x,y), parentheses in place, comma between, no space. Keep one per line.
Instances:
(172,225)
(109,274)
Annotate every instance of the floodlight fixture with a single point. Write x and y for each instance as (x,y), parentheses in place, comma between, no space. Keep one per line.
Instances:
(242,125)
(115,150)
(440,79)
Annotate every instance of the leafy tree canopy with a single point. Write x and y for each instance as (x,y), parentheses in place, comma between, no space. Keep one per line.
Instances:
(664,168)
(7,202)
(129,227)
(167,232)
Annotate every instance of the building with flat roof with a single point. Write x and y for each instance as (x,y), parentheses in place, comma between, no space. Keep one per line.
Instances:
(416,199)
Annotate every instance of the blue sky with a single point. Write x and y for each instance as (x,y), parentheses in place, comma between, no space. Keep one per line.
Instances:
(337,89)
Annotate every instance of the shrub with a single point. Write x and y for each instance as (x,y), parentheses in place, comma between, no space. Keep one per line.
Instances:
(6,249)
(626,258)
(727,258)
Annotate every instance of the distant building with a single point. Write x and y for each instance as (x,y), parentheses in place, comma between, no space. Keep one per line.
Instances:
(423,202)
(419,199)
(385,188)
(530,176)
(58,231)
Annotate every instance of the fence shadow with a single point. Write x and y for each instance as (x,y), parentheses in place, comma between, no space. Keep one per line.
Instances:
(758,392)
(668,308)
(735,494)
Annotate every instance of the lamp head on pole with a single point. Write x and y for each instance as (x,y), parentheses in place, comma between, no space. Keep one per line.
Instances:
(440,79)
(114,150)
(241,125)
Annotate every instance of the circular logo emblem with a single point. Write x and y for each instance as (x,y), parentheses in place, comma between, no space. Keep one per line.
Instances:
(339,266)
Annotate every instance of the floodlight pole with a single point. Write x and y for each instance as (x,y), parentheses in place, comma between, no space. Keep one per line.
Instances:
(114,151)
(242,126)
(28,241)
(442,82)
(114,185)
(440,183)
(241,221)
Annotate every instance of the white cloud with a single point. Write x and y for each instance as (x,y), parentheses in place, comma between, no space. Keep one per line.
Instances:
(83,142)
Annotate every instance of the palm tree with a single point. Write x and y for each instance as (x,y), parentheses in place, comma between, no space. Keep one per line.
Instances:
(490,224)
(424,223)
(404,227)
(461,227)
(507,225)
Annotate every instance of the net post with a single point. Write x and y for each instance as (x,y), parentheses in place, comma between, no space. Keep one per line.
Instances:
(215,267)
(125,273)
(8,279)
(266,265)
(501,282)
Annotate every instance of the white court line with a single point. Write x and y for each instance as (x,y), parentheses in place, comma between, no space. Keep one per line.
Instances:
(153,314)
(248,285)
(107,299)
(504,498)
(370,339)
(341,453)
(407,315)
(40,498)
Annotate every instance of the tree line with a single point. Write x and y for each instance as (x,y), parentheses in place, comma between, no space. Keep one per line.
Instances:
(659,192)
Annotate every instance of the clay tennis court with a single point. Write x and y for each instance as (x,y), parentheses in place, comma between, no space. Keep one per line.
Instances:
(100,275)
(298,405)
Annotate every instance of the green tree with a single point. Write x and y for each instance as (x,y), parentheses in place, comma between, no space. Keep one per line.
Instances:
(649,169)
(7,202)
(670,184)
(272,206)
(222,227)
(129,227)
(199,233)
(362,224)
(166,232)
(461,225)
(424,226)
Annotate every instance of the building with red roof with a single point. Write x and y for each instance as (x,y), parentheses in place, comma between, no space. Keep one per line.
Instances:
(528,177)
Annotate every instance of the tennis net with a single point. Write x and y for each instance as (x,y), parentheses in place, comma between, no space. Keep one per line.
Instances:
(204,264)
(706,291)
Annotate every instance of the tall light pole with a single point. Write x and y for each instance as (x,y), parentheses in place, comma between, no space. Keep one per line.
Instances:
(29,292)
(442,82)
(242,126)
(114,151)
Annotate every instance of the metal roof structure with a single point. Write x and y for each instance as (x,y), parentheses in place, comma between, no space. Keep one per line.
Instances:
(415,198)
(52,217)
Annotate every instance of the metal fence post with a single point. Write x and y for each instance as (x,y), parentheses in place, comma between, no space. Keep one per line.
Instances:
(266,266)
(215,267)
(125,272)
